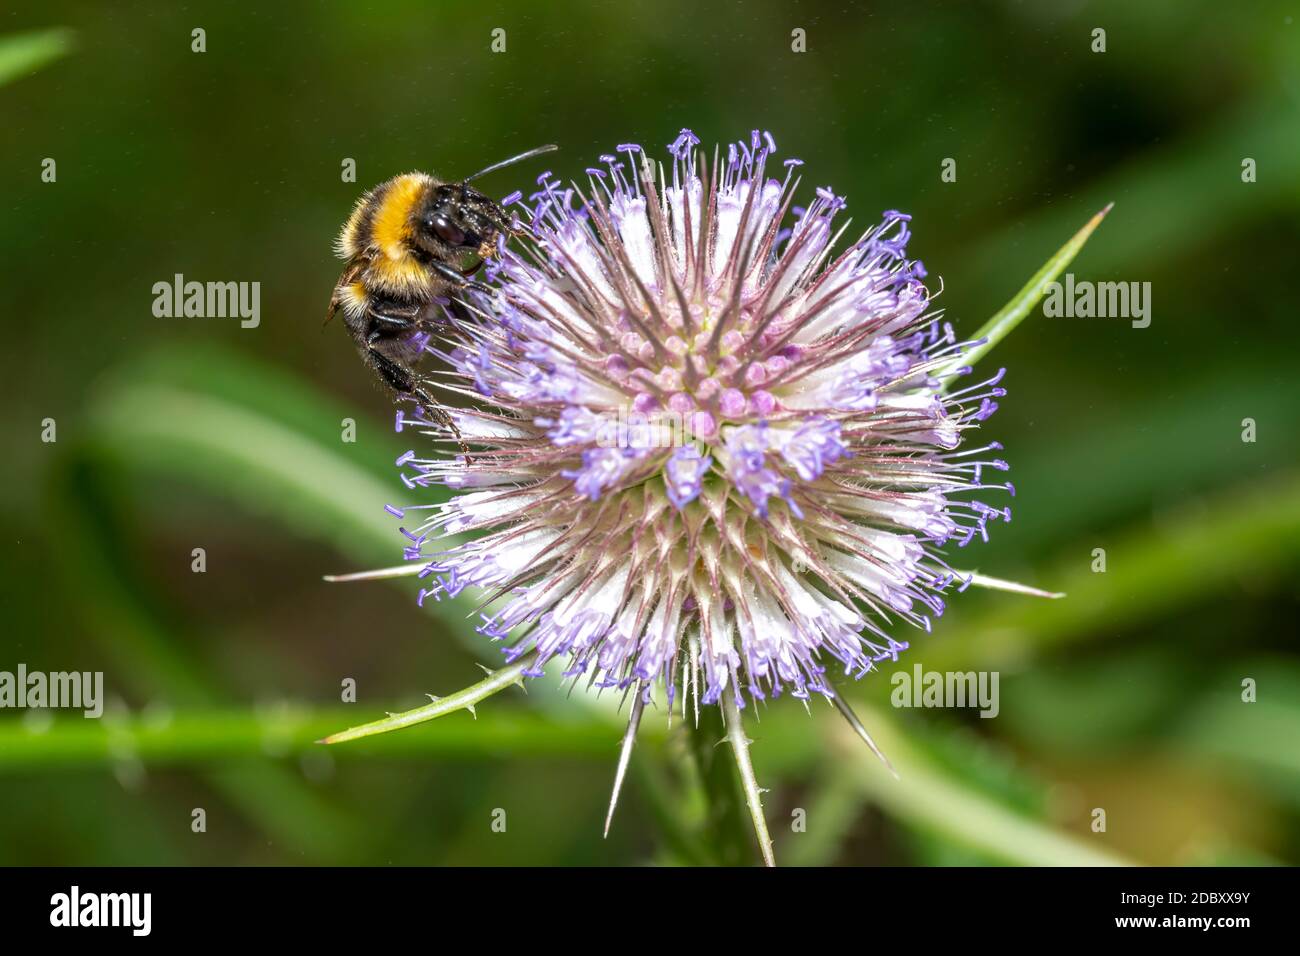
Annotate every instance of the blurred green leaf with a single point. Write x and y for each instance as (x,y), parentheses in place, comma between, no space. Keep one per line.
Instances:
(1246,533)
(22,54)
(239,429)
(834,807)
(1183,194)
(121,615)
(1100,703)
(987,771)
(250,433)
(925,796)
(1258,740)
(1194,424)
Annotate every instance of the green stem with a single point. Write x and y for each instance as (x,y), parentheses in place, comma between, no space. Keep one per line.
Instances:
(726,835)
(46,740)
(748,782)
(676,831)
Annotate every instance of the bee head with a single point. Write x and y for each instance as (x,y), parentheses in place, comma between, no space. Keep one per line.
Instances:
(457,220)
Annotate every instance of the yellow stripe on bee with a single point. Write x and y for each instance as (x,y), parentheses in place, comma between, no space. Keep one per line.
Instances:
(404,276)
(392,223)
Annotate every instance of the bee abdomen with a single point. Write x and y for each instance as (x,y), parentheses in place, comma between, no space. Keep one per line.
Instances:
(353,299)
(383,220)
(355,239)
(379,231)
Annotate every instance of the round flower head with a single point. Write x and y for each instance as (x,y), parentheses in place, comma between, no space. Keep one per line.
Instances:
(712,446)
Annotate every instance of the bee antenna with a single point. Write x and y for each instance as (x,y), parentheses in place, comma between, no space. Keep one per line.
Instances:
(511,161)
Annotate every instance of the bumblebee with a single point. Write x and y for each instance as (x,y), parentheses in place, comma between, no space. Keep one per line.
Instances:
(410,241)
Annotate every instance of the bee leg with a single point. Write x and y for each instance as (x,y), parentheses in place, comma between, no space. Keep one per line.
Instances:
(441,416)
(401,380)
(397,378)
(392,323)
(458,279)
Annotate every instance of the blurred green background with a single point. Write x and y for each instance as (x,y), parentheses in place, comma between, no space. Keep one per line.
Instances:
(174,434)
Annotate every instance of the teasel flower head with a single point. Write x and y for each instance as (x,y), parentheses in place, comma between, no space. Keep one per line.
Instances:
(715,451)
